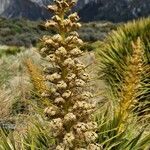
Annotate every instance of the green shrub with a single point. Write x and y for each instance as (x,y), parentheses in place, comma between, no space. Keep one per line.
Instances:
(10,50)
(95,31)
(114,52)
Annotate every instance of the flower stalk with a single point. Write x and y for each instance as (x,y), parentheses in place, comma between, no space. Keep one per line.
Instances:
(36,77)
(132,81)
(70,114)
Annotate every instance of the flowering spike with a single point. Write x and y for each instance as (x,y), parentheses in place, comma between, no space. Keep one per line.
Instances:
(70,113)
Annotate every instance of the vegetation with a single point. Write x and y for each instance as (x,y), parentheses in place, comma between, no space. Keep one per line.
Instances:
(113,59)
(20,32)
(17,32)
(50,102)
(6,50)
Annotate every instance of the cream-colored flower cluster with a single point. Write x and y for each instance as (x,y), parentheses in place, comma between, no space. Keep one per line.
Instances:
(70,111)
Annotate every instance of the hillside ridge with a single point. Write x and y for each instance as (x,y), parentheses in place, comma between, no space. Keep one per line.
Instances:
(89,10)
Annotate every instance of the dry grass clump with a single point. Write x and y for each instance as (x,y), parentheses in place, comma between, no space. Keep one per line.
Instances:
(15,85)
(5,105)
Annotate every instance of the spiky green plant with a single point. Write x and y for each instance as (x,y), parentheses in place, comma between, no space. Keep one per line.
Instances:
(133,137)
(36,135)
(122,130)
(113,55)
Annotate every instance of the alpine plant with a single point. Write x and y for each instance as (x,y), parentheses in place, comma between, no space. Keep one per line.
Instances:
(70,107)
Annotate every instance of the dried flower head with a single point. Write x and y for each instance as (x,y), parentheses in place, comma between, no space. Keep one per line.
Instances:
(51,111)
(94,147)
(69,117)
(59,100)
(61,51)
(90,136)
(68,139)
(66,94)
(61,85)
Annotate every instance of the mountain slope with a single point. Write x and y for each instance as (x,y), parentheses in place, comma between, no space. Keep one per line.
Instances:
(115,10)
(3,5)
(42,2)
(89,10)
(25,9)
